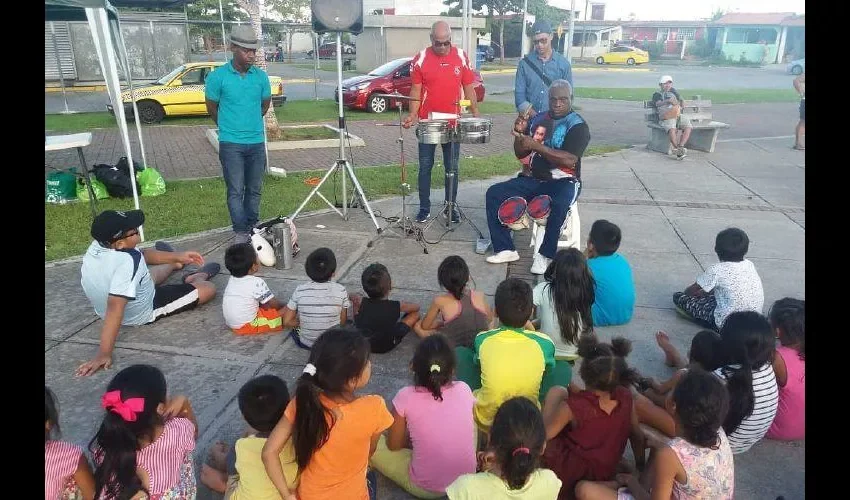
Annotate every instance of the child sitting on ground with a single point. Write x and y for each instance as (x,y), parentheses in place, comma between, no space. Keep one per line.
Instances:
(509,465)
(67,473)
(728,286)
(146,440)
(508,361)
(706,352)
(588,429)
(435,416)
(333,430)
(614,302)
(788,319)
(696,464)
(242,474)
(249,306)
(384,322)
(125,285)
(464,312)
(563,301)
(318,305)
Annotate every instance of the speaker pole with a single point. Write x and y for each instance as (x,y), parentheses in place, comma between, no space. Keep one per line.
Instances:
(341,163)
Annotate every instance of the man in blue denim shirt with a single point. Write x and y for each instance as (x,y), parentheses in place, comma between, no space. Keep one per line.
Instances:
(529,89)
(238,94)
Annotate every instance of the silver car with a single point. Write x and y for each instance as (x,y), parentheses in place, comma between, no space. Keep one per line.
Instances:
(797,67)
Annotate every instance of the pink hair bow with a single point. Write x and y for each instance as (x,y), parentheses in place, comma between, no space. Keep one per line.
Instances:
(125,409)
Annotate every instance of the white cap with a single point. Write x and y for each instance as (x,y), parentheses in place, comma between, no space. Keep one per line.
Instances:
(665,79)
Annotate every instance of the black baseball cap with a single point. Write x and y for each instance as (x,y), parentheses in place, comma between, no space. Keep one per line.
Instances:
(110,225)
(541,26)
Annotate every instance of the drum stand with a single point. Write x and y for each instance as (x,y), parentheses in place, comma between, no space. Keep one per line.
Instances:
(404,223)
(450,205)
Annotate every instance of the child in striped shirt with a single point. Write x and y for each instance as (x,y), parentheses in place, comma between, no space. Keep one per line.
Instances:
(67,473)
(145,441)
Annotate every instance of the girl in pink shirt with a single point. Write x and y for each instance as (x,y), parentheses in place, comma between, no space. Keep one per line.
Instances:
(66,471)
(435,415)
(788,319)
(145,441)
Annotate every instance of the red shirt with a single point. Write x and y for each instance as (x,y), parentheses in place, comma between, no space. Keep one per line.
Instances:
(442,79)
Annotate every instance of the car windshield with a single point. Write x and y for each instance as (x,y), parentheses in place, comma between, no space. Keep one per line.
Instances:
(167,78)
(385,69)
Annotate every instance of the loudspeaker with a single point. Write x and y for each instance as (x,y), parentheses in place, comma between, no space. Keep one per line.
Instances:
(337,15)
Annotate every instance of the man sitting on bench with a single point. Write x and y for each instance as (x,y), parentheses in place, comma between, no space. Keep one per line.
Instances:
(668,102)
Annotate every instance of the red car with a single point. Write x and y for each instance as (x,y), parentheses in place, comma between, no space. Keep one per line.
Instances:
(359,92)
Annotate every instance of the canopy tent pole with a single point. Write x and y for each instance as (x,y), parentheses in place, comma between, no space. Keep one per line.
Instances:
(103,43)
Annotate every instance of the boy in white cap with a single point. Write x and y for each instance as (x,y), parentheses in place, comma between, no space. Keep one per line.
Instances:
(668,102)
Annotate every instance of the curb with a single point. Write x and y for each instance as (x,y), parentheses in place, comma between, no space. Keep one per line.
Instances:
(77,88)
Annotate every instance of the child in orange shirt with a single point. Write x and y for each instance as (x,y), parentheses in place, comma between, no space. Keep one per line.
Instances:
(334,431)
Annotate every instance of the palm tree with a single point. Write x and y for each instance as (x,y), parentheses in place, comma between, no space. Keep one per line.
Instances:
(254,8)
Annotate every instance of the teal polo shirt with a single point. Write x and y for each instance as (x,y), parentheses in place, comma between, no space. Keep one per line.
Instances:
(240,98)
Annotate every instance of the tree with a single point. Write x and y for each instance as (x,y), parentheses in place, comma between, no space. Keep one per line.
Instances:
(496,11)
(717,14)
(253,8)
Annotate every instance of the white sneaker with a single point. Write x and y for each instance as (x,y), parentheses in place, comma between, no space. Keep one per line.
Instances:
(540,264)
(503,257)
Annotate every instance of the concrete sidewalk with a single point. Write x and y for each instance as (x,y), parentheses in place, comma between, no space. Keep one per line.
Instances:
(669,212)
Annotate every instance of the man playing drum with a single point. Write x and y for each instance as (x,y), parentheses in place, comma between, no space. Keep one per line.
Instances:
(439,74)
(555,170)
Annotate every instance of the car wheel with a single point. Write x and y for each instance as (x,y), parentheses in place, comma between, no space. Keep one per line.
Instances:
(630,61)
(600,60)
(377,104)
(150,112)
(796,70)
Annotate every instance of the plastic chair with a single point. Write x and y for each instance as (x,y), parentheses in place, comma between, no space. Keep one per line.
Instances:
(570,234)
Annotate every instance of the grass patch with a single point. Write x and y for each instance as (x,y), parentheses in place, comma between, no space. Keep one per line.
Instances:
(307,133)
(291,112)
(717,96)
(197,205)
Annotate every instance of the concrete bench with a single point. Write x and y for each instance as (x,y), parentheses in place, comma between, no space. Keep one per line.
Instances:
(703,135)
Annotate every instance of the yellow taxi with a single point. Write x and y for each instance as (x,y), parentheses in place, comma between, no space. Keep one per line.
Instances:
(181,93)
(624,55)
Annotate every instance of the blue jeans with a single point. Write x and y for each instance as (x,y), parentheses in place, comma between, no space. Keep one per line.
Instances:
(451,152)
(244,166)
(564,192)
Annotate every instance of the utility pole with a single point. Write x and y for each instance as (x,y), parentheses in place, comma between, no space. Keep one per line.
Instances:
(524,40)
(223,36)
(569,41)
(584,30)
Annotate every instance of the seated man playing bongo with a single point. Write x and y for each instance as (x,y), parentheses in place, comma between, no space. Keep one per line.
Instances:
(555,171)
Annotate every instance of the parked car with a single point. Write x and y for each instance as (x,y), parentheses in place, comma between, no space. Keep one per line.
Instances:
(624,54)
(359,92)
(181,93)
(487,52)
(328,50)
(797,67)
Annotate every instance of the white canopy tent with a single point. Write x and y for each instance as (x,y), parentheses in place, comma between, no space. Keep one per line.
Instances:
(112,55)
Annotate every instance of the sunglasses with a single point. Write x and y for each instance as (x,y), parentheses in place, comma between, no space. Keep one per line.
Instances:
(130,234)
(441,44)
(541,41)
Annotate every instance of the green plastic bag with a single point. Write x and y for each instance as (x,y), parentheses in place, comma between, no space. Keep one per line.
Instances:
(100,192)
(150,182)
(60,186)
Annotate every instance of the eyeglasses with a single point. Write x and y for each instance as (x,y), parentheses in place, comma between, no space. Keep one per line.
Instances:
(441,44)
(541,41)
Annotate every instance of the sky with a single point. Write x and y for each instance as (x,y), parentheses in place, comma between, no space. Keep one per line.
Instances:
(661,10)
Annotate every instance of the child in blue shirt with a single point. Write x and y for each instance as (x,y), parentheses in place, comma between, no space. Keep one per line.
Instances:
(615,288)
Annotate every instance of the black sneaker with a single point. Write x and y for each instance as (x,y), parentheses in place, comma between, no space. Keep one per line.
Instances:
(455,217)
(422,216)
(163,246)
